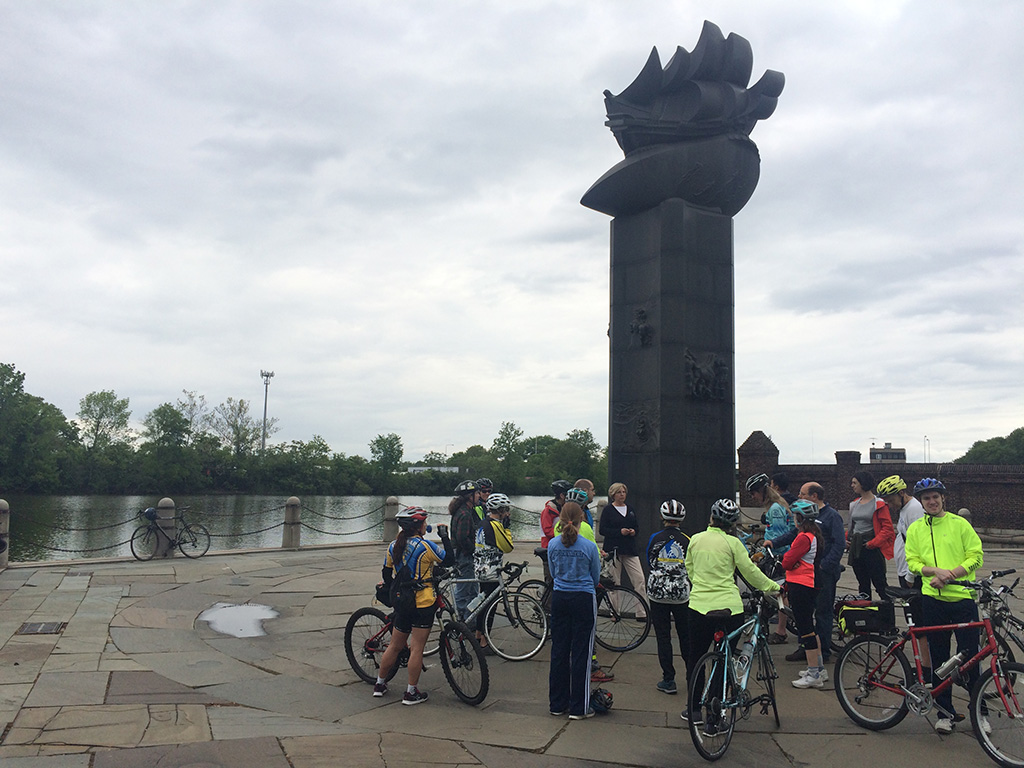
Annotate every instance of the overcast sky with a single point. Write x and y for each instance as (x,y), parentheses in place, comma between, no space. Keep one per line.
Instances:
(380,203)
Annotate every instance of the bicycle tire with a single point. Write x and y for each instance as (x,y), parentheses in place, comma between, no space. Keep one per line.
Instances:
(367,636)
(194,540)
(464,664)
(515,626)
(442,616)
(617,628)
(766,675)
(712,720)
(143,543)
(539,590)
(999,699)
(864,675)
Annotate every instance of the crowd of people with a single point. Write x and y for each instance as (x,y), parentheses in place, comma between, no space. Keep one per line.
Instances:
(691,580)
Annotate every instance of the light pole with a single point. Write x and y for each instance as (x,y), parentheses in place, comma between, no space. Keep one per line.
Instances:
(446,447)
(267,376)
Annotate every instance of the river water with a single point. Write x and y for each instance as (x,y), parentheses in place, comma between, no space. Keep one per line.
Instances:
(81,527)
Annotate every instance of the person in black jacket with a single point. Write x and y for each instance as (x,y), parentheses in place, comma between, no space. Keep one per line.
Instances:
(668,587)
(619,528)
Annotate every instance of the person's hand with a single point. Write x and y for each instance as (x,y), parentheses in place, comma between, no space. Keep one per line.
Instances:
(624,531)
(442,530)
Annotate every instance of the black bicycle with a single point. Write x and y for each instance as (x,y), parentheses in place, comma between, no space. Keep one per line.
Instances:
(191,538)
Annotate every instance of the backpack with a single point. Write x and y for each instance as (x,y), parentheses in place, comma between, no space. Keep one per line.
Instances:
(402,594)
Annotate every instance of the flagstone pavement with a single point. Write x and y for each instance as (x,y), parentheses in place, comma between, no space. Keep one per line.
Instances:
(134,678)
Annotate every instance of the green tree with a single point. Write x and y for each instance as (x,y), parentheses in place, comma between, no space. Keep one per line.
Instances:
(238,430)
(386,453)
(196,412)
(506,451)
(104,419)
(996,450)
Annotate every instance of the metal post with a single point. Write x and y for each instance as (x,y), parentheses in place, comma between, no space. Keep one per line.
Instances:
(291,534)
(5,529)
(267,376)
(390,525)
(165,544)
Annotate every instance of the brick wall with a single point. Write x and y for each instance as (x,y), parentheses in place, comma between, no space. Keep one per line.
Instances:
(993,493)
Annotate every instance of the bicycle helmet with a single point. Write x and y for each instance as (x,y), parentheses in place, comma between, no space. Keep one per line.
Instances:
(757,482)
(411,517)
(465,488)
(484,484)
(578,495)
(891,485)
(808,510)
(929,484)
(497,501)
(560,486)
(673,510)
(725,511)
(601,700)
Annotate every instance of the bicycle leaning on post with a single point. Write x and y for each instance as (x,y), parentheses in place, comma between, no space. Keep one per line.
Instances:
(721,681)
(877,686)
(191,538)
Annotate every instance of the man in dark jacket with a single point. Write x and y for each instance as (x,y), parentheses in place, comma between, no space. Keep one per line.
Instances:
(829,566)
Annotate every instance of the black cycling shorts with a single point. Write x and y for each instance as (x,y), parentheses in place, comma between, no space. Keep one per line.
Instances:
(420,618)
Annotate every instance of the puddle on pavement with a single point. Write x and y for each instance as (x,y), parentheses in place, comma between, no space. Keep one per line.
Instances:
(238,620)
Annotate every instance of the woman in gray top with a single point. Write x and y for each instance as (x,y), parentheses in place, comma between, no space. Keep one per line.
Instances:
(870,536)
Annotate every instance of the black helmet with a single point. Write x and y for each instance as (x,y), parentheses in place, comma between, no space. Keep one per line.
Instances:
(757,482)
(484,484)
(601,700)
(560,486)
(465,488)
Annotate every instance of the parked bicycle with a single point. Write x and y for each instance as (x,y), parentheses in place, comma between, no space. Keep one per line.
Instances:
(191,538)
(721,680)
(623,616)
(877,686)
(368,634)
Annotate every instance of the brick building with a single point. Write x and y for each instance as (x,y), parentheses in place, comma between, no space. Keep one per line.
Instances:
(993,493)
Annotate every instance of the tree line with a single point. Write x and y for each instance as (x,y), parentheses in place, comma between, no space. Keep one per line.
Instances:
(188,446)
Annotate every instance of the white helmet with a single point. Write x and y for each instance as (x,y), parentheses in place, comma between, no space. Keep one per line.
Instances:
(497,501)
(673,510)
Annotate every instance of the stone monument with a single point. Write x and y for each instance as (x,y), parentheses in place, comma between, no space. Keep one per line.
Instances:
(690,166)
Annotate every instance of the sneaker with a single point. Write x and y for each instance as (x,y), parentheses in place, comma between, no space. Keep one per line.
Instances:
(379,689)
(810,680)
(985,725)
(600,676)
(685,715)
(415,697)
(778,639)
(822,673)
(589,713)
(559,713)
(667,686)
(798,655)
(944,725)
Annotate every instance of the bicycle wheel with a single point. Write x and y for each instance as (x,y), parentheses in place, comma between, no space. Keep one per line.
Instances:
(539,591)
(463,663)
(194,540)
(515,626)
(766,677)
(712,705)
(441,617)
(997,701)
(143,542)
(367,636)
(869,681)
(618,628)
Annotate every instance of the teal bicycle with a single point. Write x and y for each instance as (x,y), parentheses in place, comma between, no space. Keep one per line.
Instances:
(726,685)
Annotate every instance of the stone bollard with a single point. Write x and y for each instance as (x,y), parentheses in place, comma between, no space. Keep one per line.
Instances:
(5,529)
(390,526)
(291,534)
(165,545)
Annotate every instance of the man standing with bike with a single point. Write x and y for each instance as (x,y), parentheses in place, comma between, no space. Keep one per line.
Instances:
(942,548)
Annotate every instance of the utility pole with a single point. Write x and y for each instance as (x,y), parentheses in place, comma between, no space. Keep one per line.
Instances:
(267,376)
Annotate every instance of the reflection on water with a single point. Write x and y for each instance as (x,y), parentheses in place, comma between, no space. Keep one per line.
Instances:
(244,620)
(81,527)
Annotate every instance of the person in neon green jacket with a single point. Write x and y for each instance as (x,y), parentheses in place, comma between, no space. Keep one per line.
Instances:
(942,547)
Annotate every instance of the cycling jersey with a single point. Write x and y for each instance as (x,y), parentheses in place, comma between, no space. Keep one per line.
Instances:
(712,560)
(493,540)
(667,581)
(943,542)
(421,555)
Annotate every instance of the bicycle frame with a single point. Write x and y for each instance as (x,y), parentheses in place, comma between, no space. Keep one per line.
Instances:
(499,593)
(723,644)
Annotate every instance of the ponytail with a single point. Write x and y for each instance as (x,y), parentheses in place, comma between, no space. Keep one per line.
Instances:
(569,519)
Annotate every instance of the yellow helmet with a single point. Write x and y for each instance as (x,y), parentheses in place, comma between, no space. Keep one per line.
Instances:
(891,485)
